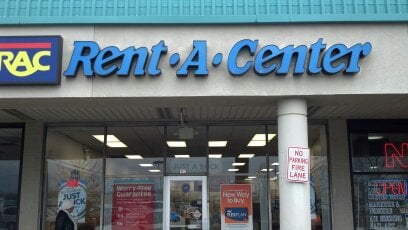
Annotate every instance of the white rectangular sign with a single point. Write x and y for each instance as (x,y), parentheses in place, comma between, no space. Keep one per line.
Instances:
(298,165)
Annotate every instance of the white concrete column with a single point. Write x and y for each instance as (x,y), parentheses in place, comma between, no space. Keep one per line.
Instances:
(294,197)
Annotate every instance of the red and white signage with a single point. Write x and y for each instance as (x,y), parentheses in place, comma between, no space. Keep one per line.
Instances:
(133,206)
(298,165)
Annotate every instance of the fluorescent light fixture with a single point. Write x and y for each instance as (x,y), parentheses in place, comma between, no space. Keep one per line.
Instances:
(252,177)
(256,143)
(146,165)
(215,155)
(246,155)
(375,137)
(154,170)
(248,179)
(134,157)
(238,164)
(374,167)
(111,141)
(109,138)
(182,156)
(233,170)
(117,144)
(265,170)
(217,143)
(275,163)
(176,144)
(260,139)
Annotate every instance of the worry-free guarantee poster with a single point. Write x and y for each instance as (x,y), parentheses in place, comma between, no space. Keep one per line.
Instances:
(133,206)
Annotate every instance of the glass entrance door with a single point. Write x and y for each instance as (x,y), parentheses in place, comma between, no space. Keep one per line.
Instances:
(185,204)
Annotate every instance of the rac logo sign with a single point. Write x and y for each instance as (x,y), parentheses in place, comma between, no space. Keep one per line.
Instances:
(30,60)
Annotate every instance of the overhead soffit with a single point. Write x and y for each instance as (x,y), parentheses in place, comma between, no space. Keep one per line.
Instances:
(198,109)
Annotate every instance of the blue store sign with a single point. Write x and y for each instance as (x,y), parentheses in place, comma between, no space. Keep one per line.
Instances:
(30,60)
(267,60)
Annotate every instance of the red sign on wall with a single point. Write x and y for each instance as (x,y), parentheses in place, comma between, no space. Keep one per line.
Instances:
(133,206)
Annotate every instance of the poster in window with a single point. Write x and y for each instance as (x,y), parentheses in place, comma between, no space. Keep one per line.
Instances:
(236,206)
(75,189)
(132,206)
(387,204)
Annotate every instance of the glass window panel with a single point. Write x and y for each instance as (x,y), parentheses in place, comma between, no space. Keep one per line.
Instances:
(319,179)
(237,156)
(379,152)
(74,161)
(186,150)
(380,201)
(134,186)
(258,186)
(10,153)
(239,163)
(143,154)
(380,161)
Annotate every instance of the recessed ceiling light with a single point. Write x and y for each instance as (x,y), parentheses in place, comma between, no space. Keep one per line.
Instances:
(176,144)
(134,157)
(182,156)
(116,144)
(111,141)
(238,164)
(275,163)
(246,155)
(217,143)
(375,137)
(146,165)
(233,170)
(154,170)
(109,138)
(260,139)
(99,137)
(256,143)
(265,170)
(215,155)
(252,177)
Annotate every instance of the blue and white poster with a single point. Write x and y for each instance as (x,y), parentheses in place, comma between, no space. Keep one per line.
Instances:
(74,189)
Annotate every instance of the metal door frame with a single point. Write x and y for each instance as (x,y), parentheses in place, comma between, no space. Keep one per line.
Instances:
(166,198)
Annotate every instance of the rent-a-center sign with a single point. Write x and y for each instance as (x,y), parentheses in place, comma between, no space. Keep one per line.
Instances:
(266,60)
(37,60)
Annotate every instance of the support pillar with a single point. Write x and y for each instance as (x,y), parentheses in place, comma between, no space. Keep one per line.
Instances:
(294,197)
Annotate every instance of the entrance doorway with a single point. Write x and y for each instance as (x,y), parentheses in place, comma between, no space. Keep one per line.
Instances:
(185,203)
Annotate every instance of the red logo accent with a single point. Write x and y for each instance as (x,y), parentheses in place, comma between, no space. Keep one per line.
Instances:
(392,155)
(72,183)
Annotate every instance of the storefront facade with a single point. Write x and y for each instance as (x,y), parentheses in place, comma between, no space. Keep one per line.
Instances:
(204,125)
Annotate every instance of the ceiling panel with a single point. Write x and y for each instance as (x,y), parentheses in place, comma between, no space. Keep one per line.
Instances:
(197,109)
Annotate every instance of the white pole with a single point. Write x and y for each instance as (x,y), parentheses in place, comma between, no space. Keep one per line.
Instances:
(294,197)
